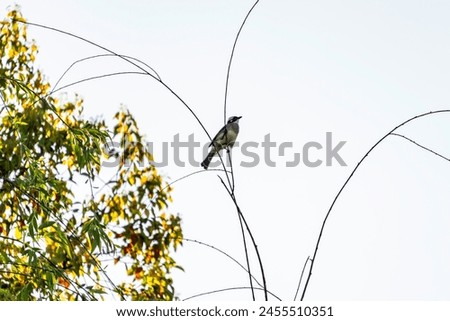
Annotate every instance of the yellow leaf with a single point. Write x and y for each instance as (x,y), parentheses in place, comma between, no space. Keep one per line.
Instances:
(18,234)
(11,53)
(69,161)
(114,216)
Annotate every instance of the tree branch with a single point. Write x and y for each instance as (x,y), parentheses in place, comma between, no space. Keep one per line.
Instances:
(313,260)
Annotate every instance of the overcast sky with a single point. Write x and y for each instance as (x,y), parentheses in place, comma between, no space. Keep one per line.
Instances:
(302,69)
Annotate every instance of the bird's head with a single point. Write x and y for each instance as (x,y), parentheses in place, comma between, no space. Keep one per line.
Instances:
(234,119)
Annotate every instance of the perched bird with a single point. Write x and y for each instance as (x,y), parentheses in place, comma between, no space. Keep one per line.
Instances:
(225,138)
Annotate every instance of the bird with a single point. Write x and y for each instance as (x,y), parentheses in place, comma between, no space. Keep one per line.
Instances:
(225,138)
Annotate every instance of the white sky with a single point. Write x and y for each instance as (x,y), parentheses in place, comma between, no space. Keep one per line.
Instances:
(301,69)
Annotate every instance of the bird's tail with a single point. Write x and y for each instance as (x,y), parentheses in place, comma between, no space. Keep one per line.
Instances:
(208,159)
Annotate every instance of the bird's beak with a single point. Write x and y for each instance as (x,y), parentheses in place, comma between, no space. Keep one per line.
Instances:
(239,117)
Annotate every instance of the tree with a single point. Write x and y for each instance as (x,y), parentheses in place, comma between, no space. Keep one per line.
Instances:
(52,243)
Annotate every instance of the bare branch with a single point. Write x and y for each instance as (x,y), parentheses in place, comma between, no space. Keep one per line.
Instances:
(241,216)
(348,179)
(231,60)
(421,146)
(224,253)
(229,289)
(301,277)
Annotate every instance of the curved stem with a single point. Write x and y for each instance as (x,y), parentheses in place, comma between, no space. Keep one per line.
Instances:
(100,56)
(231,60)
(224,253)
(313,260)
(247,260)
(231,184)
(263,275)
(421,146)
(233,198)
(228,289)
(301,277)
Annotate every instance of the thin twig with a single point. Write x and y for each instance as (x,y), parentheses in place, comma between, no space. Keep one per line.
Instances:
(421,146)
(229,289)
(191,174)
(231,171)
(100,56)
(224,253)
(119,73)
(233,198)
(301,277)
(125,58)
(232,184)
(244,241)
(247,259)
(231,60)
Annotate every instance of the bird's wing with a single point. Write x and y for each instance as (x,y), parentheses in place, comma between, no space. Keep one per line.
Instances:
(221,132)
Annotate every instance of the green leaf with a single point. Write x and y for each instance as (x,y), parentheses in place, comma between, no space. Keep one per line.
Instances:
(24,294)
(46,224)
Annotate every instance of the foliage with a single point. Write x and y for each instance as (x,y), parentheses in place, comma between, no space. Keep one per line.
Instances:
(52,242)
